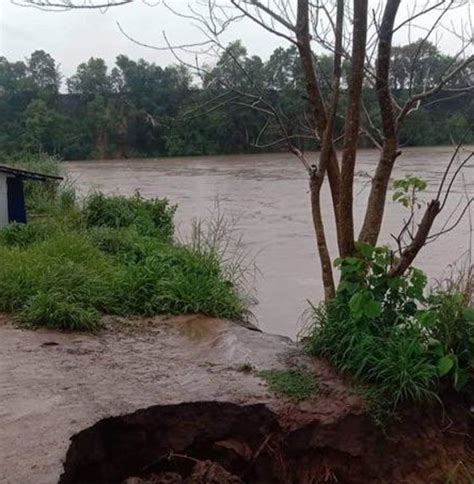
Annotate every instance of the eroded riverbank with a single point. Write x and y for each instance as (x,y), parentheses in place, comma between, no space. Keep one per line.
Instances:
(150,375)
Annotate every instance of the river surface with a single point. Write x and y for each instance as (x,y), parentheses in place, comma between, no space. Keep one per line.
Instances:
(268,196)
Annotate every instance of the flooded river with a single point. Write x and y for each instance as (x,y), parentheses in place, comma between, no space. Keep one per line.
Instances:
(268,195)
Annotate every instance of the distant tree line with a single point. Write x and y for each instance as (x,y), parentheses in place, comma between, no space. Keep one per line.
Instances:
(140,109)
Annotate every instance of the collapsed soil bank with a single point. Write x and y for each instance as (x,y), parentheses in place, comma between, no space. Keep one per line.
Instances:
(136,399)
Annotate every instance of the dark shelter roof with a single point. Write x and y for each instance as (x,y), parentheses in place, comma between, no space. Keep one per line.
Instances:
(30,175)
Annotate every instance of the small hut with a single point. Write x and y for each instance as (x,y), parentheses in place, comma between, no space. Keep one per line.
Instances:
(12,196)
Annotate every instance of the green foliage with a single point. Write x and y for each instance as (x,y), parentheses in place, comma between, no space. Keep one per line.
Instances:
(114,255)
(149,217)
(52,310)
(451,327)
(127,110)
(389,335)
(294,383)
(407,189)
(175,280)
(21,235)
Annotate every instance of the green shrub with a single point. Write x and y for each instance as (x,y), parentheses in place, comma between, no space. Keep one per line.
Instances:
(149,217)
(294,383)
(37,162)
(389,335)
(19,277)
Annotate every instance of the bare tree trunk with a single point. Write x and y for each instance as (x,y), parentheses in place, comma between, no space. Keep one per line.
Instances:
(375,208)
(376,205)
(324,256)
(351,135)
(314,94)
(327,149)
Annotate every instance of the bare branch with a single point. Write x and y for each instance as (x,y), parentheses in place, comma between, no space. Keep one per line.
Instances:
(71,4)
(417,98)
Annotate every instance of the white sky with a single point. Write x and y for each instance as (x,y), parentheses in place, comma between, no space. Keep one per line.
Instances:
(72,37)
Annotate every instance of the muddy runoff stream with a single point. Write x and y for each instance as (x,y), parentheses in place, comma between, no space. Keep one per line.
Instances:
(267,193)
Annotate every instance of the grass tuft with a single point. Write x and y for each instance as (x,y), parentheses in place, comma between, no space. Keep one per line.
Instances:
(294,383)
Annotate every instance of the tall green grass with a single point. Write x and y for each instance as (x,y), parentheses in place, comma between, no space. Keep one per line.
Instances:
(113,255)
(402,343)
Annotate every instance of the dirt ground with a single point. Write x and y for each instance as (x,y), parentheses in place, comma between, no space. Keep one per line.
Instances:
(148,373)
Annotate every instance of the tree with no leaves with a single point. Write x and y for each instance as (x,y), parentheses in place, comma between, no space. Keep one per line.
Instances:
(360,39)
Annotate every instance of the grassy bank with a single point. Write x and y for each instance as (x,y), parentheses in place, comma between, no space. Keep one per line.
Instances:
(401,341)
(105,255)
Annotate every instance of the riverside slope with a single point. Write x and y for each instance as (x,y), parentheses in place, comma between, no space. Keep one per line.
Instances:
(175,387)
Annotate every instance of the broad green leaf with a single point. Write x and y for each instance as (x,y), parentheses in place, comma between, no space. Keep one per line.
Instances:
(426,318)
(469,314)
(372,309)
(436,347)
(363,304)
(348,286)
(445,364)
(356,303)
(365,249)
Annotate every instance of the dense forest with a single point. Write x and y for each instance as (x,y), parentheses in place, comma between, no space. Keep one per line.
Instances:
(140,109)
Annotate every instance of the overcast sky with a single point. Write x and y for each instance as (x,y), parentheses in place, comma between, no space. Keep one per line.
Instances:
(74,36)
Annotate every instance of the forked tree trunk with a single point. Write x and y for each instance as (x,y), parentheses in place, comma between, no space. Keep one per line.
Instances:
(319,113)
(330,163)
(376,205)
(351,135)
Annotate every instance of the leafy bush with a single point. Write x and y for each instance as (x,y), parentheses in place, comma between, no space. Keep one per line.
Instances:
(388,334)
(149,217)
(37,162)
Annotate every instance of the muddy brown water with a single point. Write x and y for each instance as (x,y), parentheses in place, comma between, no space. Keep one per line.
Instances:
(267,194)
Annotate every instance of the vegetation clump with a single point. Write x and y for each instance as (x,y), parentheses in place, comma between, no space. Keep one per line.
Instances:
(150,217)
(115,255)
(294,383)
(106,111)
(402,344)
